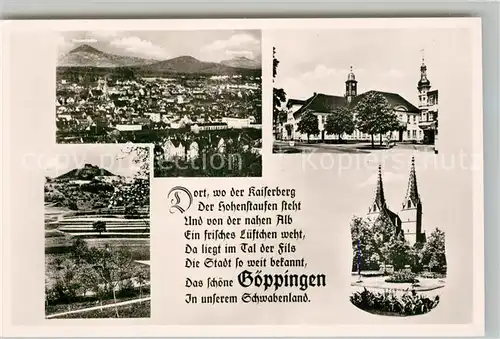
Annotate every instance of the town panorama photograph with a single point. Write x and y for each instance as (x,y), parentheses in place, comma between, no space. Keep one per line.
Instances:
(195,95)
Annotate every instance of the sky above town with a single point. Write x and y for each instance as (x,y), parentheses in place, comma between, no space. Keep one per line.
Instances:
(382,59)
(205,45)
(353,184)
(118,159)
(433,175)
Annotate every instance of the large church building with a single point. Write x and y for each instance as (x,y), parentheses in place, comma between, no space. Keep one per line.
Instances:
(418,124)
(408,221)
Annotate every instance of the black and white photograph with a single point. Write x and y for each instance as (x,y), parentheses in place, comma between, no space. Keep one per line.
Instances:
(399,260)
(359,91)
(151,191)
(97,232)
(195,95)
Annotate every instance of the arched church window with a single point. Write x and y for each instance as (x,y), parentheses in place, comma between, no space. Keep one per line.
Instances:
(409,203)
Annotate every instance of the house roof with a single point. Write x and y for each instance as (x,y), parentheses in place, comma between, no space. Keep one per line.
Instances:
(323,103)
(394,100)
(292,102)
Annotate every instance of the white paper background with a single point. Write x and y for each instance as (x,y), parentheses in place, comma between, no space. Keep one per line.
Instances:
(29,57)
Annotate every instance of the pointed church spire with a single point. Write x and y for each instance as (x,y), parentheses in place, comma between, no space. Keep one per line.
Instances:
(412,198)
(379,201)
(379,194)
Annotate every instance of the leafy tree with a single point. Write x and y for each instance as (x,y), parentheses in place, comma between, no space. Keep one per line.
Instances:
(67,276)
(433,252)
(389,243)
(110,268)
(279,97)
(308,124)
(142,276)
(79,250)
(72,205)
(397,252)
(416,257)
(91,280)
(383,229)
(374,116)
(340,121)
(136,194)
(363,252)
(99,226)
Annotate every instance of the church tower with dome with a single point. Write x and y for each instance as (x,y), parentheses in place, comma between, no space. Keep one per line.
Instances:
(351,90)
(424,85)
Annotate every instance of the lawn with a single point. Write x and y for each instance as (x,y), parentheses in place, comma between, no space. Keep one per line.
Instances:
(91,302)
(59,243)
(137,310)
(50,257)
(379,283)
(285,149)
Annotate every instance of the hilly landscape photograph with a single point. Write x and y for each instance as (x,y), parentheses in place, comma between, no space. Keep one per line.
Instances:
(97,233)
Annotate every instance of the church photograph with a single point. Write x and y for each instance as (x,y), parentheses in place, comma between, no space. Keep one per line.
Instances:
(398,253)
(358,91)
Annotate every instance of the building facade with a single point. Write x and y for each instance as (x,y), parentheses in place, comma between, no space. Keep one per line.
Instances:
(408,221)
(417,124)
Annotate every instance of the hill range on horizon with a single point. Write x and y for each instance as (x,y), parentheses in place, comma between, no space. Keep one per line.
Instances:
(87,172)
(88,56)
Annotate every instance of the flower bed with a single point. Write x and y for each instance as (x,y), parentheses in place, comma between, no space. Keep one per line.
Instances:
(402,277)
(391,305)
(432,275)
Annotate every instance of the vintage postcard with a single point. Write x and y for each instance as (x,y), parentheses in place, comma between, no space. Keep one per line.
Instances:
(240,177)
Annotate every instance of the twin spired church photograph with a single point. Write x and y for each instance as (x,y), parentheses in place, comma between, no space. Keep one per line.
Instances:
(360,90)
(399,262)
